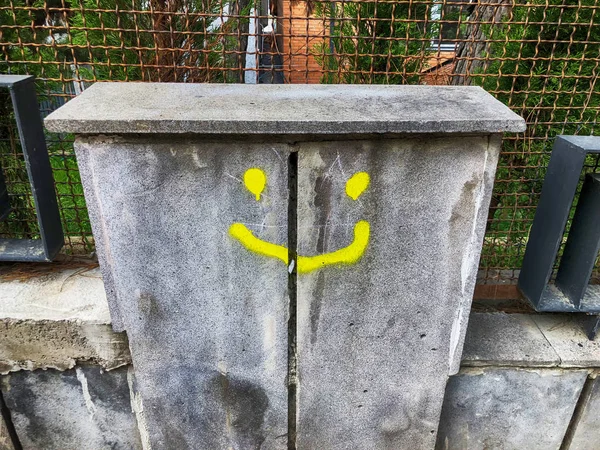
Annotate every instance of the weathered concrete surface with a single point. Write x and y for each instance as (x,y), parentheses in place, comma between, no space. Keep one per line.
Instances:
(71,294)
(5,440)
(498,339)
(586,434)
(565,332)
(115,108)
(378,339)
(206,318)
(137,406)
(57,320)
(85,408)
(35,344)
(508,409)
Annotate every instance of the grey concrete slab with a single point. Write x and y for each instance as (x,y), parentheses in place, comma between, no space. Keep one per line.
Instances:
(566,334)
(56,320)
(508,409)
(206,317)
(85,408)
(70,294)
(282,109)
(586,434)
(499,339)
(378,337)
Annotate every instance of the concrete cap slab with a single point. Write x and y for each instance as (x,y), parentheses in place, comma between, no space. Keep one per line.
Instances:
(72,294)
(499,339)
(565,332)
(234,109)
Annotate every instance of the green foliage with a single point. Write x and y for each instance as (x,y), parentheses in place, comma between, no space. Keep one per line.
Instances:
(132,40)
(548,71)
(544,65)
(372,42)
(61,41)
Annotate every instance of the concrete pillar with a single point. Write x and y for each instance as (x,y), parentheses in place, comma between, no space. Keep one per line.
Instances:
(291,263)
(206,319)
(378,338)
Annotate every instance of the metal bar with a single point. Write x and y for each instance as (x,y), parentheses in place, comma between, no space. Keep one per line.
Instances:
(4,200)
(10,81)
(28,250)
(550,218)
(592,326)
(39,171)
(571,293)
(583,243)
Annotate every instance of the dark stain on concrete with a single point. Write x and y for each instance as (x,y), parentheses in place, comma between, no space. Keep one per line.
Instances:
(21,402)
(245,405)
(463,210)
(315,307)
(45,405)
(322,201)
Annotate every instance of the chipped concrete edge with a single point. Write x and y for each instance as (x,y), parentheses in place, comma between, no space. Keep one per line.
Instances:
(473,253)
(138,409)
(59,344)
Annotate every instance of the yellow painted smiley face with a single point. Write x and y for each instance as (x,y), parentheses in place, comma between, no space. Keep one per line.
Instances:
(255,181)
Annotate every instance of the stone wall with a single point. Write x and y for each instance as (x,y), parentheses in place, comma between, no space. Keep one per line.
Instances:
(526,382)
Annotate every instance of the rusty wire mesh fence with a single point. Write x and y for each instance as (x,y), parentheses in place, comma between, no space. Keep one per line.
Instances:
(541,58)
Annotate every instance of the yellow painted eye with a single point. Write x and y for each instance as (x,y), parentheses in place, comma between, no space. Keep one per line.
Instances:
(255,181)
(357,184)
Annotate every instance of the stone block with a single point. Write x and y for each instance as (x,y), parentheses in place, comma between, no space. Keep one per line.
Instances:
(58,294)
(86,408)
(57,319)
(498,339)
(566,334)
(508,408)
(206,319)
(378,337)
(586,432)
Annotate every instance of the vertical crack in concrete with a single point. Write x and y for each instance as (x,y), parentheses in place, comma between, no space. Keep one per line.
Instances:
(560,361)
(292,292)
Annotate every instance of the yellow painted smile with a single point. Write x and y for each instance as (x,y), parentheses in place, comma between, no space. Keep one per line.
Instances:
(255,181)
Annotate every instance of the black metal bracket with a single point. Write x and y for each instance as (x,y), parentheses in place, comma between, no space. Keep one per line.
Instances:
(39,171)
(571,291)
